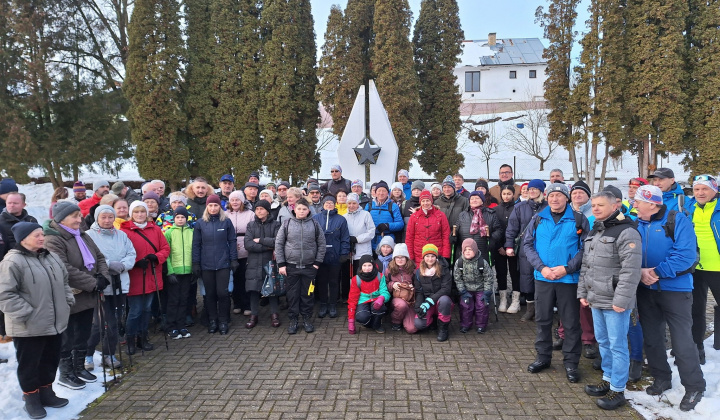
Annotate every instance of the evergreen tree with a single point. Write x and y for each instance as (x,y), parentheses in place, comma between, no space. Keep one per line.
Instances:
(288,114)
(438,43)
(360,35)
(154,69)
(397,82)
(332,72)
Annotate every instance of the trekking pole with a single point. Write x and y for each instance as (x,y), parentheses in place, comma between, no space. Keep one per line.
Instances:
(102,338)
(118,321)
(106,327)
(157,293)
(142,332)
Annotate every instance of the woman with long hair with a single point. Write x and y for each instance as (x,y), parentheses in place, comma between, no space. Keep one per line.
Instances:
(433,282)
(240,216)
(399,276)
(60,193)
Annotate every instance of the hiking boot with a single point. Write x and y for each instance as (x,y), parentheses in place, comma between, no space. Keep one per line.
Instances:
(611,400)
(49,399)
(598,390)
(597,363)
(529,314)
(224,328)
(130,341)
(572,374)
(635,370)
(33,407)
(323,311)
(658,387)
(589,351)
(443,331)
(79,365)
(293,327)
(690,400)
(308,326)
(143,341)
(212,327)
(67,375)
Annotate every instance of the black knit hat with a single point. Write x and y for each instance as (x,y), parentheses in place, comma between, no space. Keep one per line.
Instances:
(382,184)
(21,230)
(181,210)
(580,185)
(264,204)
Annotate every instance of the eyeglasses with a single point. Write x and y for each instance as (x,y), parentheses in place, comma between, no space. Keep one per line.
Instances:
(704,178)
(505,172)
(282,189)
(314,192)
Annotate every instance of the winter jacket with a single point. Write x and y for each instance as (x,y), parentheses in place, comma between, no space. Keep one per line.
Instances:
(503,212)
(433,287)
(214,244)
(452,207)
(342,209)
(550,244)
(387,212)
(402,276)
(364,200)
(368,291)
(430,228)
(463,192)
(586,210)
(131,196)
(407,189)
(34,293)
(497,189)
(485,244)
(83,282)
(197,206)
(672,260)
(623,209)
(259,253)
(180,240)
(115,246)
(611,264)
(691,207)
(7,221)
(332,186)
(316,208)
(300,242)
(142,280)
(469,278)
(285,213)
(670,198)
(633,210)
(88,203)
(408,207)
(519,219)
(240,220)
(337,236)
(361,226)
(167,219)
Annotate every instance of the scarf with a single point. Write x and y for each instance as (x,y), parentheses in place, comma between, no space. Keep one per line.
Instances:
(385,260)
(141,225)
(88,259)
(102,231)
(478,225)
(368,276)
(429,272)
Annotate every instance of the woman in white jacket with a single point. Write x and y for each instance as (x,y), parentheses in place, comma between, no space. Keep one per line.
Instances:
(120,256)
(362,232)
(240,214)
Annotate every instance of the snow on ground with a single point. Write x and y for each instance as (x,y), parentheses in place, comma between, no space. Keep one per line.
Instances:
(666,406)
(11,402)
(37,198)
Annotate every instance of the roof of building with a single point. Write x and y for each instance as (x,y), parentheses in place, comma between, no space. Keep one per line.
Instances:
(504,52)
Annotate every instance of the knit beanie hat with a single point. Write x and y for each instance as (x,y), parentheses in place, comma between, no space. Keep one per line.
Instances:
(382,184)
(176,196)
(401,250)
(329,197)
(284,184)
(365,259)
(649,194)
(135,204)
(404,172)
(151,195)
(353,197)
(429,249)
(181,211)
(537,183)
(478,194)
(435,185)
(396,185)
(237,194)
(313,187)
(448,181)
(425,194)
(386,240)
(63,209)
(706,180)
(580,185)
(79,187)
(482,183)
(268,192)
(21,230)
(264,204)
(470,243)
(417,185)
(558,187)
(357,183)
(103,208)
(214,198)
(100,184)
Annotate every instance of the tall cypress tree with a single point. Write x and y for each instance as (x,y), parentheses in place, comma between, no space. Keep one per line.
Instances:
(438,43)
(397,82)
(289,113)
(332,89)
(152,86)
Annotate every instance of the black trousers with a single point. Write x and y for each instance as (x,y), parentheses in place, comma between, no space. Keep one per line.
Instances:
(368,316)
(347,272)
(328,283)
(38,359)
(77,334)
(502,265)
(549,294)
(177,301)
(656,309)
(702,280)
(2,324)
(110,337)
(297,283)
(240,297)
(217,295)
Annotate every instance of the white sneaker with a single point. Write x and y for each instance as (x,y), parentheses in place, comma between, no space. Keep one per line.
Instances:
(89,364)
(111,361)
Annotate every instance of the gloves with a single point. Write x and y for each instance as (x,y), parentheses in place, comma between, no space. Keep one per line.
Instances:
(453,239)
(344,258)
(172,279)
(197,271)
(466,297)
(351,326)
(487,295)
(425,306)
(152,258)
(353,240)
(101,282)
(378,302)
(142,263)
(382,227)
(116,267)
(234,265)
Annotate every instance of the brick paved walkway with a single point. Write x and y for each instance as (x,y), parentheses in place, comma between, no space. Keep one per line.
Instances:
(266,373)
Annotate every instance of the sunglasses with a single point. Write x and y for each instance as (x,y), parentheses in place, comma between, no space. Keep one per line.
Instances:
(333,171)
(636,182)
(704,178)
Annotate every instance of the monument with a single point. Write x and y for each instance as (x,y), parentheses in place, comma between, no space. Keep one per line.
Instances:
(368,150)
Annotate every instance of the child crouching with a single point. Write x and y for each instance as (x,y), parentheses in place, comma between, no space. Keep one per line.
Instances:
(474,280)
(368,293)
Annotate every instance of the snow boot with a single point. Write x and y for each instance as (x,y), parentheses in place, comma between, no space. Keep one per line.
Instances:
(529,312)
(443,331)
(323,311)
(33,406)
(515,304)
(635,370)
(49,399)
(143,341)
(503,306)
(79,365)
(67,374)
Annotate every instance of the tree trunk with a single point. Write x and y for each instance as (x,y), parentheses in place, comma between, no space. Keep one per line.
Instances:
(76,173)
(573,160)
(52,175)
(604,166)
(542,164)
(592,161)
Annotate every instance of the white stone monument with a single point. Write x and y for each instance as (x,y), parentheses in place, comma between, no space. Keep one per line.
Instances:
(372,146)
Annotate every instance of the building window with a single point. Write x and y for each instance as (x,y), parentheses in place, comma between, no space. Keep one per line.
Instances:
(472,81)
(533,74)
(513,74)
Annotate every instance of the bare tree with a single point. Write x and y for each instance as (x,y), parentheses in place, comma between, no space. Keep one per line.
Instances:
(479,134)
(528,133)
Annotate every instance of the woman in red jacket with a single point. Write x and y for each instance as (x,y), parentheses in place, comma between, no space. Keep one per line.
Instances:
(152,250)
(428,225)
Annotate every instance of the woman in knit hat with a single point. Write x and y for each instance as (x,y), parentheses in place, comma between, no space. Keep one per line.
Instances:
(400,276)
(368,293)
(436,190)
(503,263)
(480,224)
(433,282)
(240,216)
(427,225)
(362,231)
(337,252)
(488,200)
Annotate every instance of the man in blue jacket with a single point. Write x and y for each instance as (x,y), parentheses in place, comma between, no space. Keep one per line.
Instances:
(553,246)
(672,194)
(385,214)
(665,294)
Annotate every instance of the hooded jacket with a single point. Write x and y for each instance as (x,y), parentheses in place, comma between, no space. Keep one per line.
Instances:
(7,221)
(34,293)
(240,220)
(337,236)
(180,240)
(428,228)
(485,243)
(519,219)
(142,280)
(361,226)
(300,242)
(115,246)
(214,243)
(452,207)
(670,198)
(259,253)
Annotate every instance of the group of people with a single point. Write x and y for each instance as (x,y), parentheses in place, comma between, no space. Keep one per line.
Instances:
(104,265)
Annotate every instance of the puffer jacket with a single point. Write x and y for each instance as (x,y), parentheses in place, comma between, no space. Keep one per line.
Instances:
(214,244)
(672,260)
(180,240)
(34,293)
(115,246)
(503,212)
(408,207)
(240,220)
(433,287)
(63,244)
(485,244)
(7,221)
(550,244)
(518,221)
(430,228)
(142,280)
(452,207)
(611,264)
(362,227)
(670,198)
(259,253)
(468,276)
(366,291)
(337,236)
(300,242)
(387,212)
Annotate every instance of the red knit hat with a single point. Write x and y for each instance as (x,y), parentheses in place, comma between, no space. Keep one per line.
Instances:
(213,199)
(425,194)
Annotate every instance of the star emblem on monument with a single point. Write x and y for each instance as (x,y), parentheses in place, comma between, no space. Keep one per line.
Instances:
(367,152)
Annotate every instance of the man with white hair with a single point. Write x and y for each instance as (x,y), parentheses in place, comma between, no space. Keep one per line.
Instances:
(159,188)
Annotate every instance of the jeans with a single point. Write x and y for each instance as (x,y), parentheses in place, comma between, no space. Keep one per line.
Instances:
(635,337)
(138,314)
(611,331)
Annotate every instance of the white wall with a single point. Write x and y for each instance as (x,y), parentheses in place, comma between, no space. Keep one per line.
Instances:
(496,85)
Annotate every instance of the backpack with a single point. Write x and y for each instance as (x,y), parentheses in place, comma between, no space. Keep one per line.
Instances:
(578,224)
(368,208)
(315,225)
(669,228)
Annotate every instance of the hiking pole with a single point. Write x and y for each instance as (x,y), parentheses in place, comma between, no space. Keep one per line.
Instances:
(103,321)
(102,337)
(118,322)
(157,293)
(142,332)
